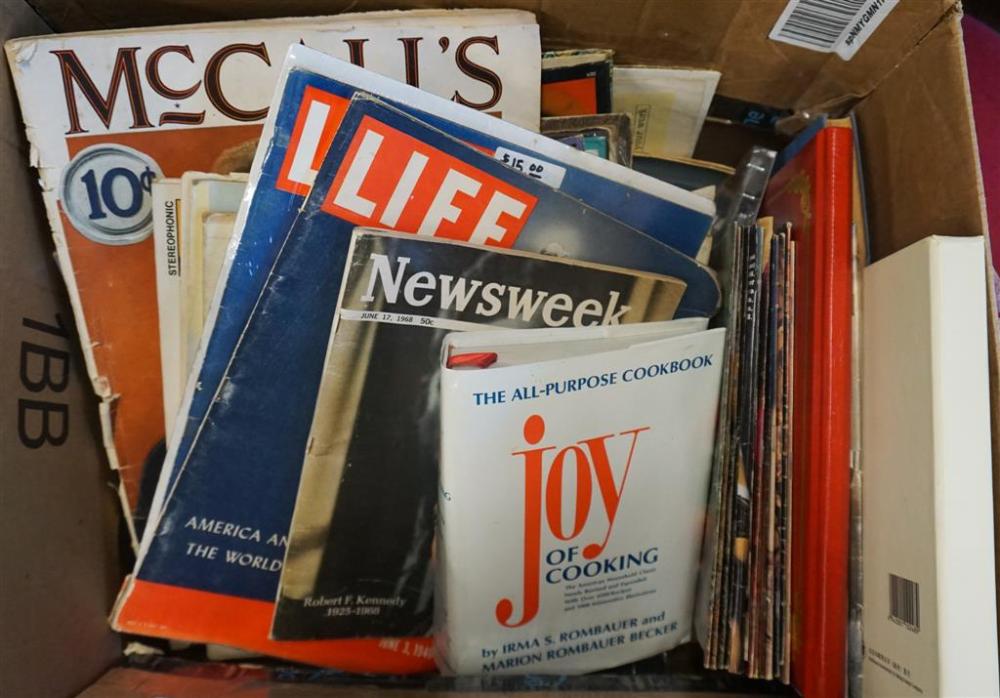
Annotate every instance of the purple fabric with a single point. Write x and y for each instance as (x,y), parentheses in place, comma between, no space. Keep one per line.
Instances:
(982,52)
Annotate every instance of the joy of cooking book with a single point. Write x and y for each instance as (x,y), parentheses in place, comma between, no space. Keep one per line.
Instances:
(244,467)
(572,496)
(371,463)
(107,112)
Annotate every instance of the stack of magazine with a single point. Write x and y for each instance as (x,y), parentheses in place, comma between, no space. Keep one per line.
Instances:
(418,378)
(324,355)
(747,563)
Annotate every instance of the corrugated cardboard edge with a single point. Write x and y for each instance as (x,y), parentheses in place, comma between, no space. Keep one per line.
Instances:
(919,119)
(58,520)
(47,176)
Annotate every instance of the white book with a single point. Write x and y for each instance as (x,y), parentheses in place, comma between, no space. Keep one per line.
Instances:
(667,106)
(166,197)
(572,495)
(929,597)
(217,230)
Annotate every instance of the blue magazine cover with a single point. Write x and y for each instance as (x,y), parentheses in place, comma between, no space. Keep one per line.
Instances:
(237,487)
(312,95)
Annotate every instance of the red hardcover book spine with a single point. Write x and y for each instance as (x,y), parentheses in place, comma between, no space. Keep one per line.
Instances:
(813,192)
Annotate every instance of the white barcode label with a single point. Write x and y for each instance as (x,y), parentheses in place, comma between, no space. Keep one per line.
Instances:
(545,172)
(830,26)
(904,602)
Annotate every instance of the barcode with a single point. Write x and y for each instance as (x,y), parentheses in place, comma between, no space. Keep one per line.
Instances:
(904,602)
(819,23)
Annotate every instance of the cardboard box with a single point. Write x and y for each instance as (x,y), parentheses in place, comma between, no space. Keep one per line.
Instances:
(58,528)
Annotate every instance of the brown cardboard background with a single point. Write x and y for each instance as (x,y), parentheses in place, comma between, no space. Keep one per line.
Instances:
(58,522)
(919,150)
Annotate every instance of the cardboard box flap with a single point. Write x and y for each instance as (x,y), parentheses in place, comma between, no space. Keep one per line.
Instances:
(58,518)
(920,120)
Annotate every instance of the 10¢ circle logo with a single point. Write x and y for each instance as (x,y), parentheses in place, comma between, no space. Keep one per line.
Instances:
(106,194)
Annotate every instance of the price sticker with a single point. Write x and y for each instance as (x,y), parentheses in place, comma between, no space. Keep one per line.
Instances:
(545,172)
(107,194)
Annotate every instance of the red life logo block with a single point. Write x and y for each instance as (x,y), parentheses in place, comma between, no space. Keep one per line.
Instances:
(389,179)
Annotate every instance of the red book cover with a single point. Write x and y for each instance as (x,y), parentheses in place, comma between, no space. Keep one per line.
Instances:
(812,191)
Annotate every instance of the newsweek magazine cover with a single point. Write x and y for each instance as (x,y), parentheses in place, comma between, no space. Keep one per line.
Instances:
(108,112)
(244,465)
(572,499)
(359,549)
